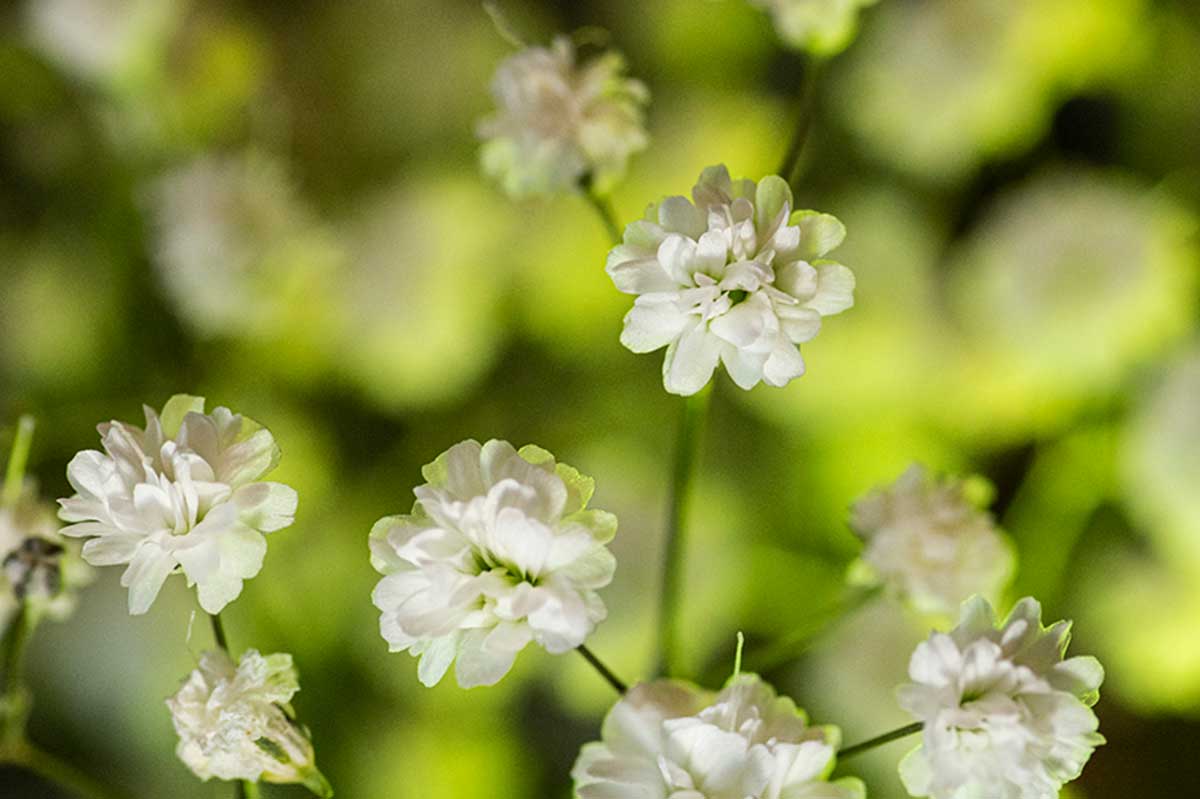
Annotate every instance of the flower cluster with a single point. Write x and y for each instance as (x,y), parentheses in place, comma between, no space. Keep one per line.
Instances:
(929,542)
(184,493)
(559,122)
(39,567)
(1004,715)
(732,276)
(234,721)
(672,739)
(823,27)
(499,550)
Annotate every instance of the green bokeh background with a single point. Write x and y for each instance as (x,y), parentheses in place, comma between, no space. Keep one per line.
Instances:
(277,205)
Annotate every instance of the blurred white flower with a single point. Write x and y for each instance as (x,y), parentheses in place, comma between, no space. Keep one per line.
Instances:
(1005,716)
(734,278)
(559,122)
(185,493)
(234,721)
(499,550)
(671,739)
(39,566)
(930,543)
(100,39)
(234,245)
(823,27)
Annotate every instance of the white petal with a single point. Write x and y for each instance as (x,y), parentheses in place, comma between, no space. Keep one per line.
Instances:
(690,361)
(652,323)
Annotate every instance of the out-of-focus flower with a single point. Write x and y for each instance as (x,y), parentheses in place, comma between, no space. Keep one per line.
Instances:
(40,568)
(929,541)
(672,739)
(234,721)
(1096,269)
(941,86)
(560,122)
(732,276)
(184,493)
(1005,716)
(823,27)
(235,246)
(499,550)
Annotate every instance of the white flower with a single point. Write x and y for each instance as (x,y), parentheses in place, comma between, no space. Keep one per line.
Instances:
(929,542)
(498,550)
(668,739)
(823,27)
(1005,715)
(559,122)
(733,278)
(39,567)
(235,723)
(101,40)
(182,493)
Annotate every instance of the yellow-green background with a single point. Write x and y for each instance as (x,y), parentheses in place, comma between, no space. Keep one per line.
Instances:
(1019,181)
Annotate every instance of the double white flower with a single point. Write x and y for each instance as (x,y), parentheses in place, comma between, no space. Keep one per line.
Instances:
(559,122)
(823,27)
(183,493)
(234,721)
(499,550)
(1005,716)
(732,277)
(672,740)
(929,542)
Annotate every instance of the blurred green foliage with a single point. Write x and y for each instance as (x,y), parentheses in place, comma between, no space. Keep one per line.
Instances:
(277,205)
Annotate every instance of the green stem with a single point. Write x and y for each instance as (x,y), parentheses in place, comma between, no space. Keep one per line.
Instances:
(59,772)
(14,475)
(691,422)
(604,208)
(880,740)
(808,93)
(797,642)
(248,790)
(244,789)
(616,682)
(13,696)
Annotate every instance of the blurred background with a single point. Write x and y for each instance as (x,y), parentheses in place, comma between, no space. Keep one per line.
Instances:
(277,205)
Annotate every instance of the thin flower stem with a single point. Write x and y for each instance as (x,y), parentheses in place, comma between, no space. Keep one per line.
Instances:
(604,208)
(880,740)
(248,790)
(14,475)
(13,699)
(52,769)
(808,93)
(803,634)
(616,682)
(244,789)
(691,422)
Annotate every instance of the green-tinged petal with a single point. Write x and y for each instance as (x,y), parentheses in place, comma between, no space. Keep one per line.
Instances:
(178,407)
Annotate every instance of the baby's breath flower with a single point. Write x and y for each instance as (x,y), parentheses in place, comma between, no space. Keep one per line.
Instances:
(234,721)
(930,543)
(184,493)
(498,551)
(559,122)
(1005,716)
(823,27)
(672,739)
(732,276)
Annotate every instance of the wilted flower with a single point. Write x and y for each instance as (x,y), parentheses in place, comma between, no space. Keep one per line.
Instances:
(823,27)
(1005,716)
(671,739)
(234,721)
(928,540)
(499,550)
(185,493)
(39,566)
(560,122)
(734,277)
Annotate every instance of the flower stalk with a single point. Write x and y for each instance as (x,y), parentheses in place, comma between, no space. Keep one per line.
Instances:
(14,475)
(880,740)
(604,208)
(616,682)
(804,119)
(691,422)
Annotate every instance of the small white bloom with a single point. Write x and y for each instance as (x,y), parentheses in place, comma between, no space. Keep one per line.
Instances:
(185,493)
(732,277)
(823,27)
(39,566)
(101,40)
(234,721)
(1005,715)
(929,542)
(499,550)
(559,122)
(671,739)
